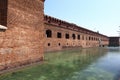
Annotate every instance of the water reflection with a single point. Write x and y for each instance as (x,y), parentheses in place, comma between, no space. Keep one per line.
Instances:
(77,64)
(77,60)
(89,64)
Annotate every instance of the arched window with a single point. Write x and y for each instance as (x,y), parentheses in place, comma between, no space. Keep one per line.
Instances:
(73,35)
(59,44)
(48,33)
(89,38)
(48,44)
(67,36)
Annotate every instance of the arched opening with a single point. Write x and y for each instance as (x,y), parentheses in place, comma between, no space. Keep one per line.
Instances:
(48,33)
(89,38)
(67,44)
(78,37)
(59,44)
(67,36)
(73,35)
(48,44)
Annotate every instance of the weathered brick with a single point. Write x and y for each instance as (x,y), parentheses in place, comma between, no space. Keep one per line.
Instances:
(22,42)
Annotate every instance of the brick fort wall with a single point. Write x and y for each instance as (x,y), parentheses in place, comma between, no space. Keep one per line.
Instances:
(22,43)
(61,34)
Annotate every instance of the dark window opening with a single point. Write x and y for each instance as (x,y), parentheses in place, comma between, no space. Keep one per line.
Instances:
(48,33)
(79,37)
(3,12)
(59,44)
(67,44)
(89,38)
(48,44)
(0,17)
(92,38)
(67,36)
(59,35)
(73,35)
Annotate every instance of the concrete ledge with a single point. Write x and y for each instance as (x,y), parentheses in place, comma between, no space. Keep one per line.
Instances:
(3,27)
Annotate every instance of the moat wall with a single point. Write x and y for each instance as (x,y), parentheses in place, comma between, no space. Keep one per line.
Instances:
(22,43)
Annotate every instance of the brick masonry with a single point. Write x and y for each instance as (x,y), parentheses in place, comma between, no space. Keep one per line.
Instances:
(87,37)
(22,43)
(26,38)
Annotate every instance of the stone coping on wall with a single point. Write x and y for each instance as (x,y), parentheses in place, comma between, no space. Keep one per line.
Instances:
(3,27)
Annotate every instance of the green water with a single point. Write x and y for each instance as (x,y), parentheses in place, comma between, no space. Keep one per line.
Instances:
(77,64)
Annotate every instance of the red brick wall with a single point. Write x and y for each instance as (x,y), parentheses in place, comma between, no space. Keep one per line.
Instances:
(22,43)
(54,43)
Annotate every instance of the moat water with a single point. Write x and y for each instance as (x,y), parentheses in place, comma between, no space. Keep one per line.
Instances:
(77,64)
(89,64)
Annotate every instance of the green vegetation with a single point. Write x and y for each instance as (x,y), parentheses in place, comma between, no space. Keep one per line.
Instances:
(63,65)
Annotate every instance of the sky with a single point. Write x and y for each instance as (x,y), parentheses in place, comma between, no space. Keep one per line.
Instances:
(95,15)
